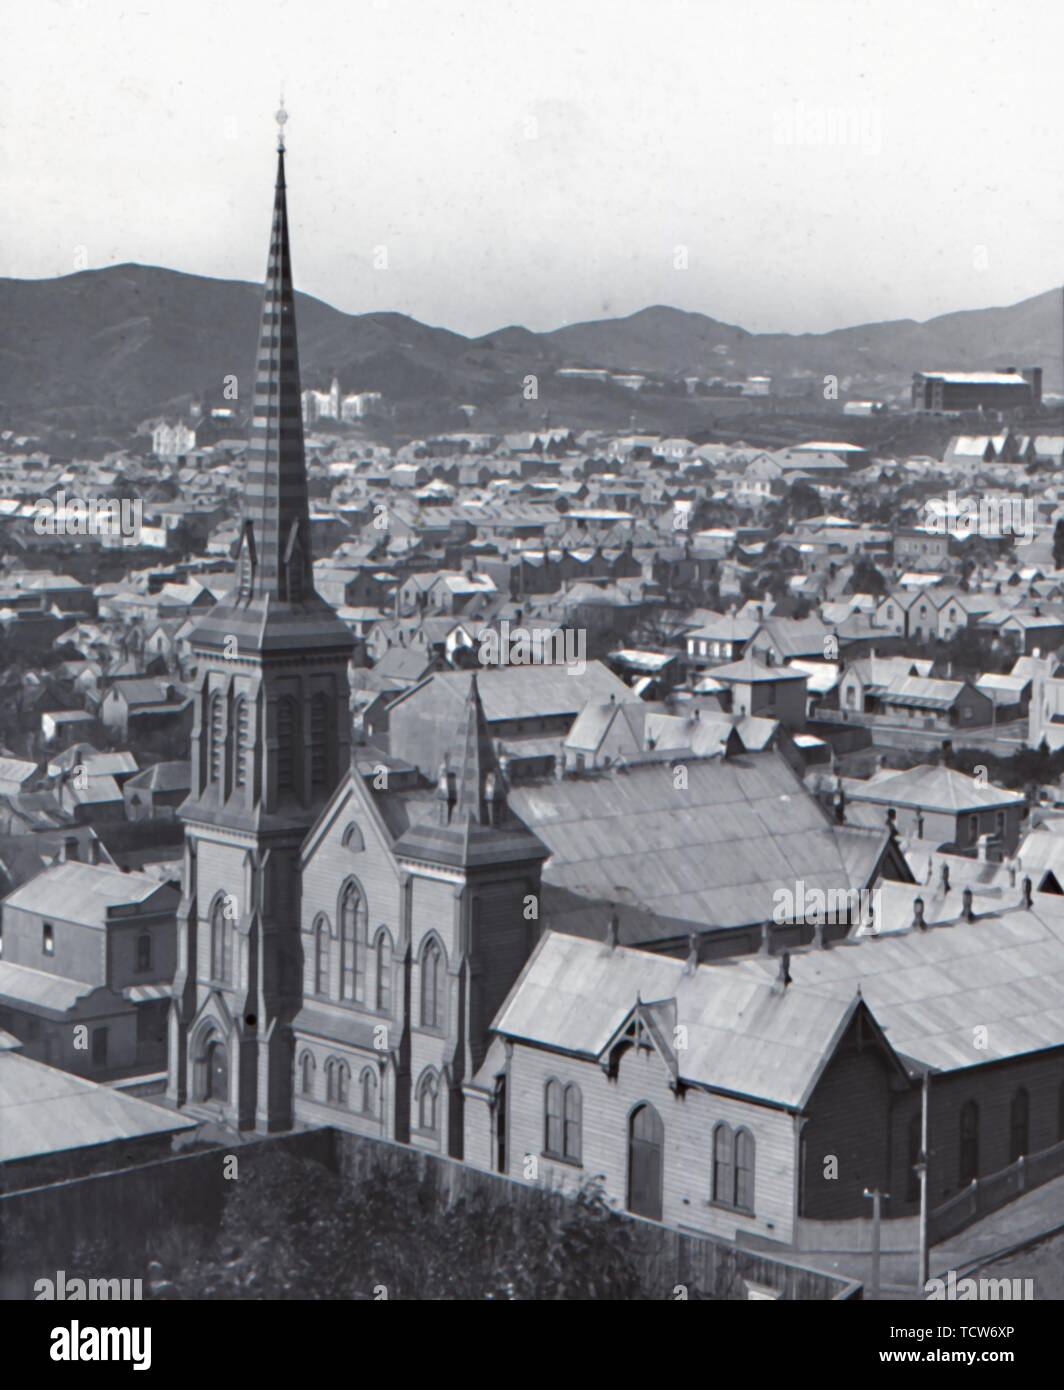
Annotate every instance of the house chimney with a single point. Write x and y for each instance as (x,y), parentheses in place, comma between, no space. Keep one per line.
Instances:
(918,915)
(612,930)
(967,914)
(1028,887)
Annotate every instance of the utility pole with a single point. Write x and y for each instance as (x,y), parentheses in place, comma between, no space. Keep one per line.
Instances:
(921,1168)
(877,1198)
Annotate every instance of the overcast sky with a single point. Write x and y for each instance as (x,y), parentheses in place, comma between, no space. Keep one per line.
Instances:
(782,164)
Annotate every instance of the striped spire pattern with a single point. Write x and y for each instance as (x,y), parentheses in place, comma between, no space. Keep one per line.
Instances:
(277,561)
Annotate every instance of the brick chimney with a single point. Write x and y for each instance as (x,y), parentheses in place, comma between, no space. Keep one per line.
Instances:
(918,915)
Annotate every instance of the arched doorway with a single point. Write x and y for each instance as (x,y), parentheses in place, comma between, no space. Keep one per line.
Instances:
(646,1136)
(217,1077)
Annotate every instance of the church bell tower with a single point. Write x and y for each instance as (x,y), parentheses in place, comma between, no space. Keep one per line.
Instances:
(271,737)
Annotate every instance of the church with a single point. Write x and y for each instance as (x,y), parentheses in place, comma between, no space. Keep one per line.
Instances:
(603,994)
(342,950)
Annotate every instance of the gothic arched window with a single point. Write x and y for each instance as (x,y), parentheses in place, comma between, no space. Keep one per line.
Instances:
(572,1123)
(430,985)
(744,1170)
(428,1095)
(724,1164)
(352,943)
(219,942)
(368,1088)
(337,1081)
(552,1118)
(306,1073)
(321,958)
(383,953)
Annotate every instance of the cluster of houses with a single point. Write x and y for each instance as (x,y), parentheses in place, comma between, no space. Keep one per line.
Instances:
(564,802)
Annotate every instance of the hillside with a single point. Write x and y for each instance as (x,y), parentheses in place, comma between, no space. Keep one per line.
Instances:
(105,349)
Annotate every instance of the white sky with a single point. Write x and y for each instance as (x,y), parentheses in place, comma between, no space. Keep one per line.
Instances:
(934,181)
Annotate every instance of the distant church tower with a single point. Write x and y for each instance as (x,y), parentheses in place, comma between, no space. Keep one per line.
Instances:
(270,741)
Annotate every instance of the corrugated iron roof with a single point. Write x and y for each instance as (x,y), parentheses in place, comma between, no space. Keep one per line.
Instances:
(743,1036)
(48,1111)
(75,892)
(711,853)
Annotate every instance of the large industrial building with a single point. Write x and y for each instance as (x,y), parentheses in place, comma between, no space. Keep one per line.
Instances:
(1009,388)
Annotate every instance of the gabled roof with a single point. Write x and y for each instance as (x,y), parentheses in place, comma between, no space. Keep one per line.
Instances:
(999,979)
(744,1037)
(86,893)
(695,858)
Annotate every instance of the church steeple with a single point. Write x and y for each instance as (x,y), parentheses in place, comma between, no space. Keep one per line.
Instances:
(273,605)
(271,737)
(275,558)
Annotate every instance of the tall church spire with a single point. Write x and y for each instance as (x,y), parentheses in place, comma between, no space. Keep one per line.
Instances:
(275,559)
(273,605)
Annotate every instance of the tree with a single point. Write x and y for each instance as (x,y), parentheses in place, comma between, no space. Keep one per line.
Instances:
(292,1229)
(866,579)
(803,500)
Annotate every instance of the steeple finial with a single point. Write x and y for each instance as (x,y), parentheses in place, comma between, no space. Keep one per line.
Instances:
(281,118)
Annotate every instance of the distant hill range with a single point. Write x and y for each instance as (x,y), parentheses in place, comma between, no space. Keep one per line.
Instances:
(105,349)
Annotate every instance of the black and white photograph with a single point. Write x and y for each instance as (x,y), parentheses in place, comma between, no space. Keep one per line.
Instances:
(531,667)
